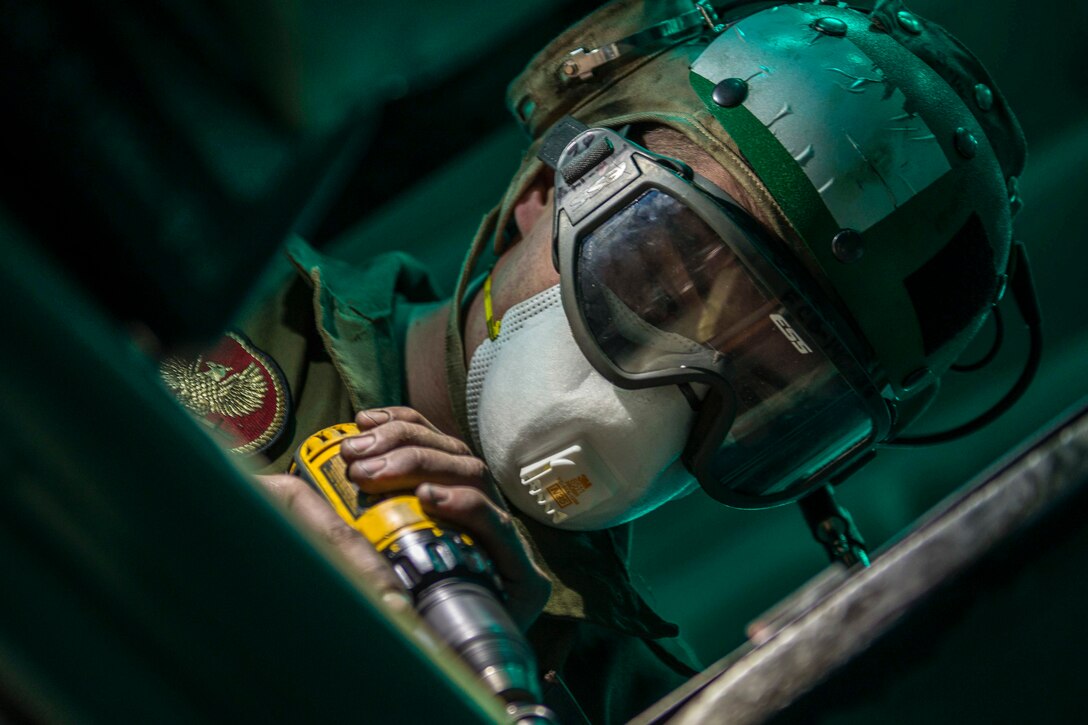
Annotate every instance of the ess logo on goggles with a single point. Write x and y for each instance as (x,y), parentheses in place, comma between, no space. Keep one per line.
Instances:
(666,280)
(800,345)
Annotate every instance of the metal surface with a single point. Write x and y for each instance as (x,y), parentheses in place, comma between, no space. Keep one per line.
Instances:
(838,616)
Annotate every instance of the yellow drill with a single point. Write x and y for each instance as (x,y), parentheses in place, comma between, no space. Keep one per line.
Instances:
(452,582)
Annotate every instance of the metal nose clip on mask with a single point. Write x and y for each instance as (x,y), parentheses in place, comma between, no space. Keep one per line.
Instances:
(667,283)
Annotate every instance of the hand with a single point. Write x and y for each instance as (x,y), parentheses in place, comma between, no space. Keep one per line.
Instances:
(317,517)
(400,450)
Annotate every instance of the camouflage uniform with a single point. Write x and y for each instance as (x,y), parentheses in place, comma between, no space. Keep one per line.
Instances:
(335,330)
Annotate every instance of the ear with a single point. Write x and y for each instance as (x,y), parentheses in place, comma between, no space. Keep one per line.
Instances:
(534,202)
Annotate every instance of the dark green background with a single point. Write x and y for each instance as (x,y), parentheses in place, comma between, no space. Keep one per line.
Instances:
(250,104)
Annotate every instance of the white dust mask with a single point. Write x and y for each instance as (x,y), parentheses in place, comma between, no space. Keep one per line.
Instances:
(566,446)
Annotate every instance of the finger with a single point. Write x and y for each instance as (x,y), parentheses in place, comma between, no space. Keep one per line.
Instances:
(398,434)
(526,585)
(319,519)
(405,468)
(374,417)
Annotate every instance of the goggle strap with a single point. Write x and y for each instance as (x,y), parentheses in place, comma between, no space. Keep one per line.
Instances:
(556,139)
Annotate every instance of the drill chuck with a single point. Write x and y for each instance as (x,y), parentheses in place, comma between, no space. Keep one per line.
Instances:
(470,618)
(457,592)
(452,582)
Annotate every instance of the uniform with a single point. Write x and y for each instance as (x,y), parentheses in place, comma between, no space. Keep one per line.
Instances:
(333,335)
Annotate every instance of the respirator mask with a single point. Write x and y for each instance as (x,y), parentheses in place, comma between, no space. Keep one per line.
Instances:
(682,343)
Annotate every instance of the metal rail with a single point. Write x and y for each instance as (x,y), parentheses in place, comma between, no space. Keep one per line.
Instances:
(840,613)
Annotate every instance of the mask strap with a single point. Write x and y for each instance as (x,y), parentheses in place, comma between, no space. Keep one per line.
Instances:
(493,325)
(456,374)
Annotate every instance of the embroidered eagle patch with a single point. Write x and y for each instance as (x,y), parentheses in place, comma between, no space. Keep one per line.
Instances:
(235,389)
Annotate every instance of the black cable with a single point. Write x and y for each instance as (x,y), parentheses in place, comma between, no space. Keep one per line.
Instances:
(999,338)
(1028,305)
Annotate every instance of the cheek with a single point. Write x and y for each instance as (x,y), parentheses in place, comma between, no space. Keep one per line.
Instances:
(521,272)
(525,269)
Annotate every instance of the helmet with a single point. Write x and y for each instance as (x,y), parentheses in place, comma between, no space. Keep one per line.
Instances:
(875,146)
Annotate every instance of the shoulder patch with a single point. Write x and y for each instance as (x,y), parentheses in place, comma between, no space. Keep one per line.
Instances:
(235,389)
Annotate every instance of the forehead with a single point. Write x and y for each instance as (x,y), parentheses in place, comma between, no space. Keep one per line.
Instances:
(670,142)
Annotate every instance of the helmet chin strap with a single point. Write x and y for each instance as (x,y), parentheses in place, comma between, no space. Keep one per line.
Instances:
(456,372)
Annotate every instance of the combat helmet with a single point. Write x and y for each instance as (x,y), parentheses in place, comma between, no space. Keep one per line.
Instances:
(875,146)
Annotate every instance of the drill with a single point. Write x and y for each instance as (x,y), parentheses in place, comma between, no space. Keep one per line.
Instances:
(452,582)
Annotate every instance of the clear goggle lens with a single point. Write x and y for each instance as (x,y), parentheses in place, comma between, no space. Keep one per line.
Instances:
(659,290)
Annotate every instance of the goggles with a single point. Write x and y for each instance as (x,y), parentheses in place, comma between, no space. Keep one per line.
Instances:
(666,280)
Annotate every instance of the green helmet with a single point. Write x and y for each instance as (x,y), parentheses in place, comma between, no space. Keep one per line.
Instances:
(880,161)
(873,142)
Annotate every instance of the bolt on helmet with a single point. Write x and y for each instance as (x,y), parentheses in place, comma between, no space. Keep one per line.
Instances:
(883,162)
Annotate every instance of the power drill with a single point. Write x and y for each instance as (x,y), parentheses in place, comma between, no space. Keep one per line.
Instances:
(451,580)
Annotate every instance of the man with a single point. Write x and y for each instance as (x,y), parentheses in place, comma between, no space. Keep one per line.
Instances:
(740,251)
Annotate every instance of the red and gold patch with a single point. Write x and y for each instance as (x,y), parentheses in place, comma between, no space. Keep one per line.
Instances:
(235,389)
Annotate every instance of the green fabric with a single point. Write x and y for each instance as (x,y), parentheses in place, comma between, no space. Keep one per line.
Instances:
(456,375)
(354,309)
(775,167)
(283,327)
(332,329)
(350,360)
